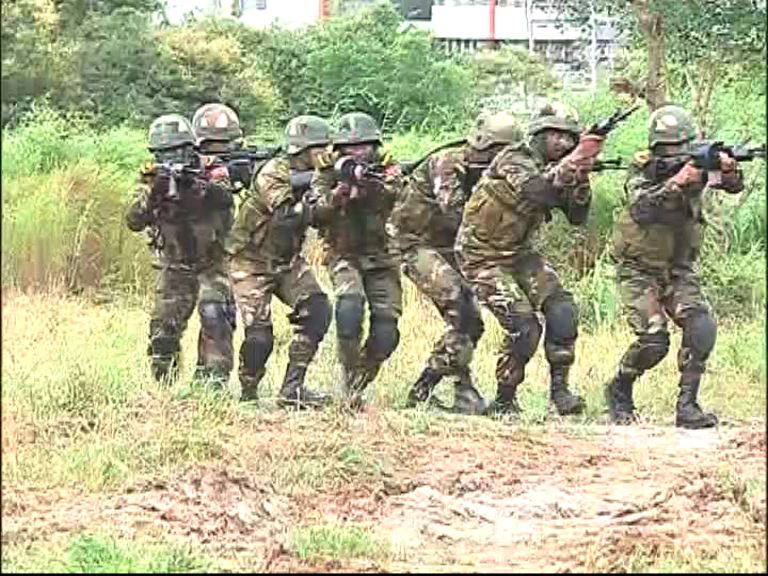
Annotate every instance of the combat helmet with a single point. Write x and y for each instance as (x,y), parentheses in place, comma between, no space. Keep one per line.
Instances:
(170,131)
(306,131)
(217,123)
(498,128)
(357,128)
(670,125)
(554,116)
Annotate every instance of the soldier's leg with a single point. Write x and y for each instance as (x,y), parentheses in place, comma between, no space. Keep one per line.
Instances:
(452,354)
(384,294)
(545,292)
(175,297)
(349,310)
(641,297)
(253,293)
(217,325)
(691,312)
(497,290)
(310,317)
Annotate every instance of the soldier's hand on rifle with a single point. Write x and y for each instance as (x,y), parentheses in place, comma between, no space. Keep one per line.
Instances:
(727,162)
(340,194)
(687,175)
(588,148)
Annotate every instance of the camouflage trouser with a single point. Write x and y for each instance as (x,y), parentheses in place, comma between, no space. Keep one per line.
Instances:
(437,276)
(176,293)
(648,297)
(514,289)
(352,286)
(296,287)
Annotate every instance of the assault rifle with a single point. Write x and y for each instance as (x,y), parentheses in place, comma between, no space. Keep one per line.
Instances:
(603,127)
(705,155)
(241,163)
(609,164)
(177,173)
(300,181)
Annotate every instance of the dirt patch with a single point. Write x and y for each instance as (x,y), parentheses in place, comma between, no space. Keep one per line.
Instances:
(565,500)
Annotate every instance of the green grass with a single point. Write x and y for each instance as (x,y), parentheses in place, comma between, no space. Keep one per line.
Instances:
(337,542)
(105,554)
(78,377)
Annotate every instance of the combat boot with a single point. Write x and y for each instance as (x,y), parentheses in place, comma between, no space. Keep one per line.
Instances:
(249,386)
(216,378)
(165,369)
(505,402)
(293,393)
(689,413)
(467,399)
(422,390)
(356,381)
(618,396)
(565,402)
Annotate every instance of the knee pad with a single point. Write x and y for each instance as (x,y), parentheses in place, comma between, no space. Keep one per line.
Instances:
(349,316)
(562,318)
(651,349)
(524,338)
(471,321)
(699,334)
(256,348)
(217,319)
(316,316)
(384,337)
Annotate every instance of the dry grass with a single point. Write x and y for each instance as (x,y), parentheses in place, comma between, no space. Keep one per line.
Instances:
(82,421)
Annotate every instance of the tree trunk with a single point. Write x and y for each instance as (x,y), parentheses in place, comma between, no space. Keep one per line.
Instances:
(529,24)
(652,26)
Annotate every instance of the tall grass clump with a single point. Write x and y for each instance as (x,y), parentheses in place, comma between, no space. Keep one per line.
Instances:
(65,190)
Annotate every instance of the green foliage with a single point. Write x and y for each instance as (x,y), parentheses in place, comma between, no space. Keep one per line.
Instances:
(65,188)
(104,554)
(336,542)
(117,66)
(509,71)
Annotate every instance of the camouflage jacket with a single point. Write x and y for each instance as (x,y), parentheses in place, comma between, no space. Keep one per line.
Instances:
(661,225)
(428,212)
(270,226)
(512,199)
(355,227)
(189,231)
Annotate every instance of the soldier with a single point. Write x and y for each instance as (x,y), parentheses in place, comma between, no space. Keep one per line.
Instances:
(265,249)
(186,206)
(424,224)
(656,246)
(351,217)
(524,183)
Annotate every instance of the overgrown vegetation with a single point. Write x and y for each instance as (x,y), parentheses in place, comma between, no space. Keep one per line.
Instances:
(105,554)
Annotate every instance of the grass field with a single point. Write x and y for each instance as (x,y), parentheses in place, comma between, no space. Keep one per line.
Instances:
(103,469)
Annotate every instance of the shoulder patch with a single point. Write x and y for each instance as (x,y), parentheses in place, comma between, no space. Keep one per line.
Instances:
(641,158)
(324,160)
(387,157)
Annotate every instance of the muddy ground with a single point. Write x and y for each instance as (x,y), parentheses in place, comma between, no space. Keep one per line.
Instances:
(552,499)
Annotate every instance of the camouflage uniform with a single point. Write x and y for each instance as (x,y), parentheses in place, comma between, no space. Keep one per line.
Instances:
(510,202)
(656,246)
(265,246)
(358,255)
(188,235)
(424,223)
